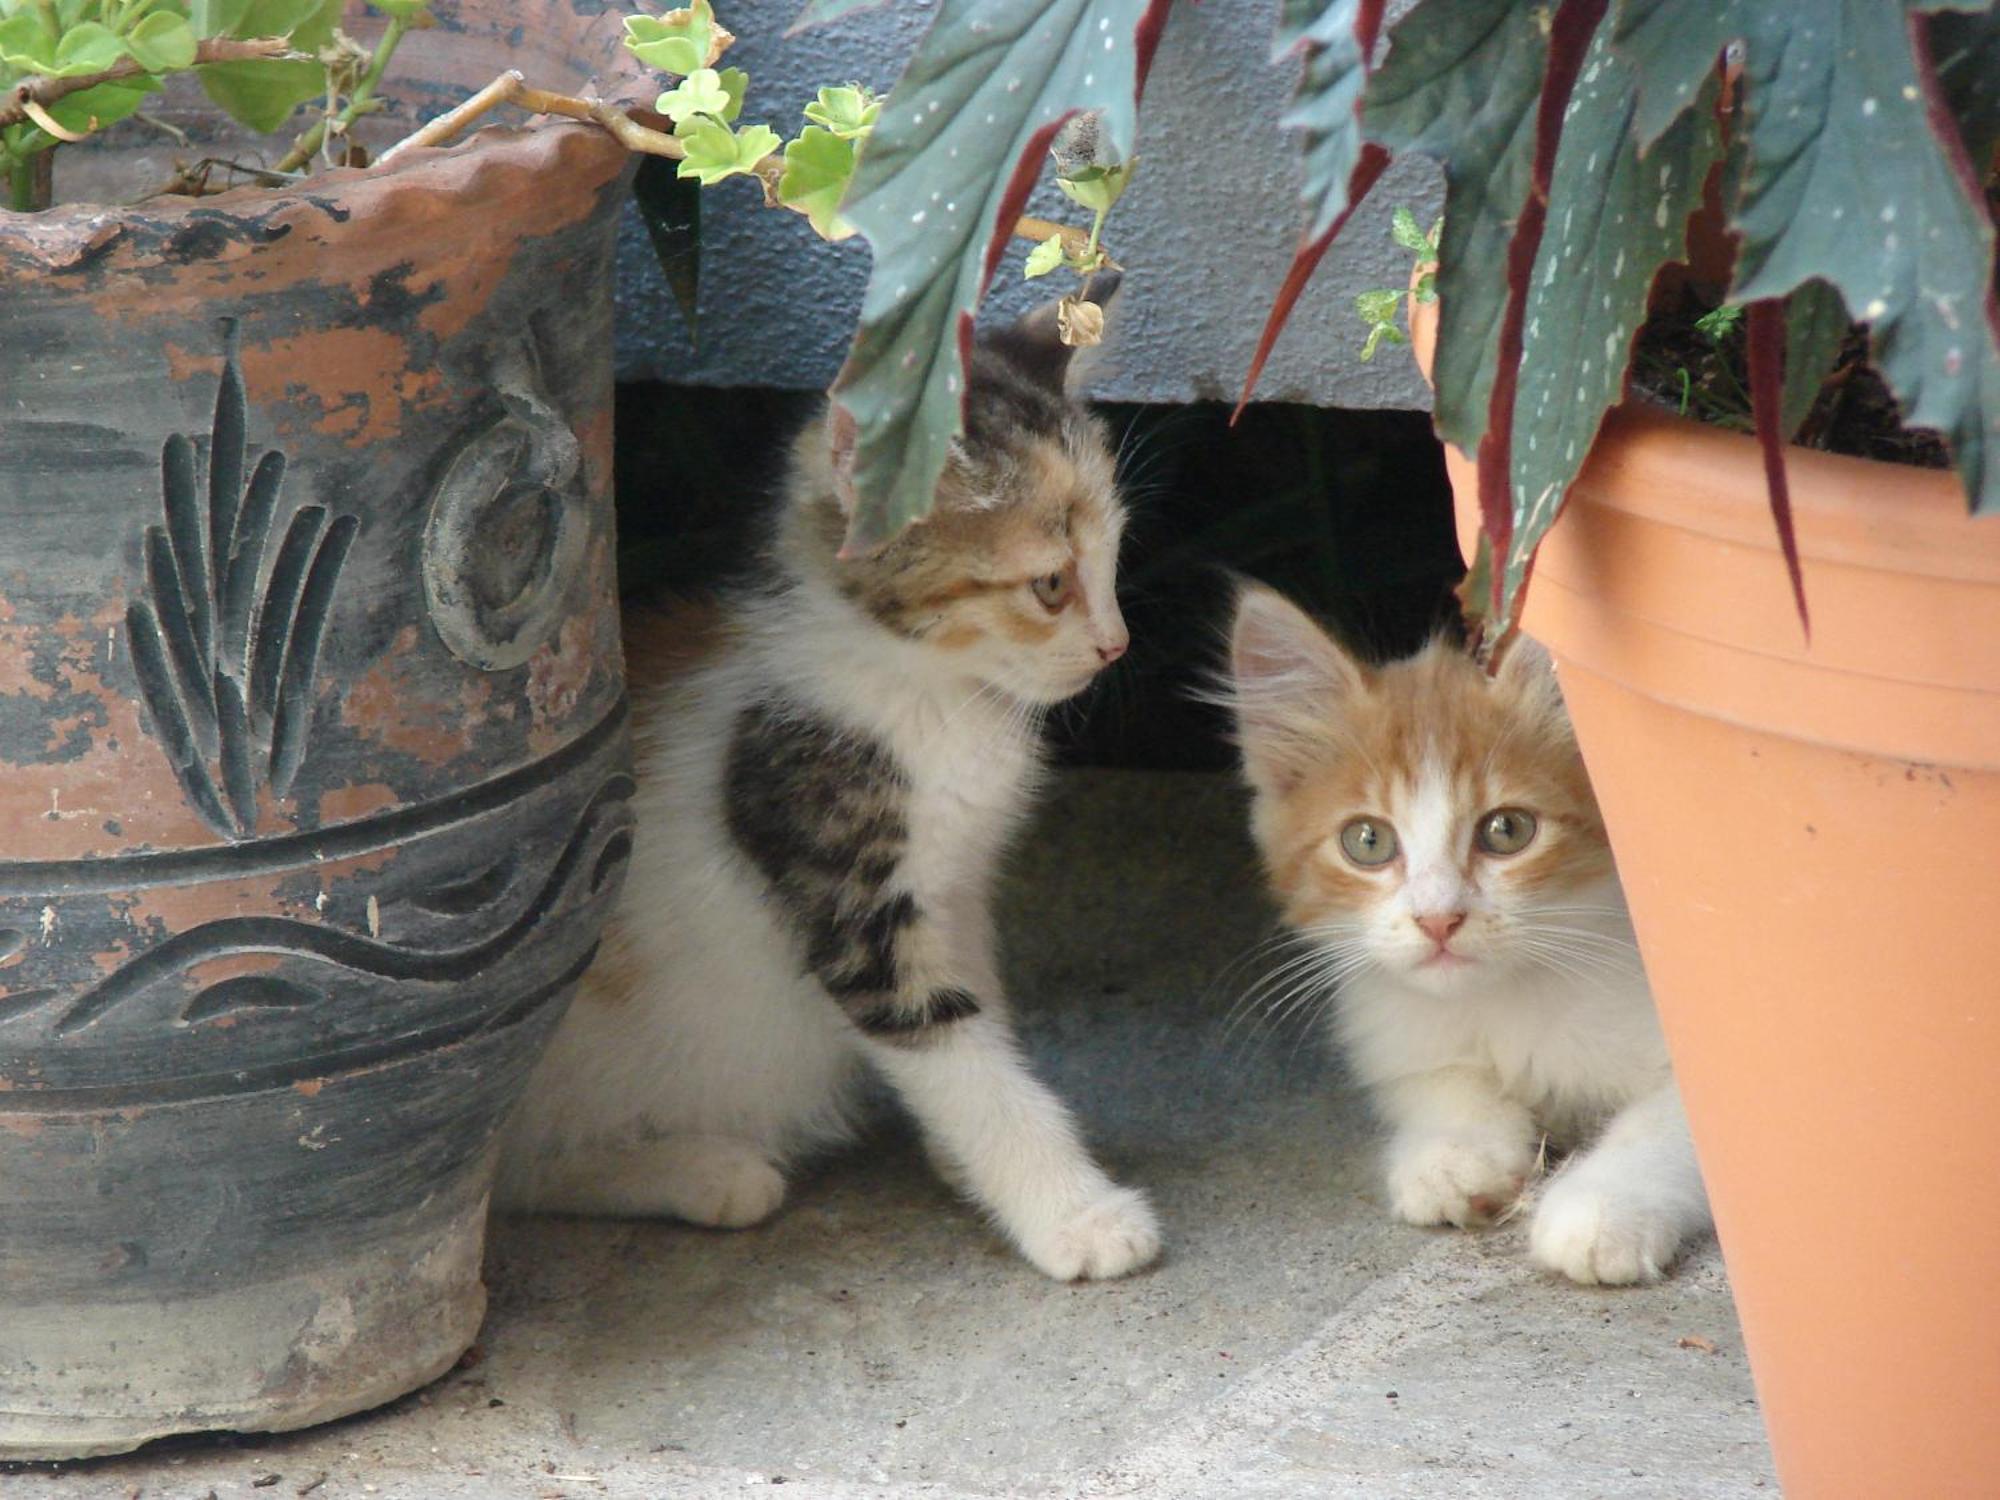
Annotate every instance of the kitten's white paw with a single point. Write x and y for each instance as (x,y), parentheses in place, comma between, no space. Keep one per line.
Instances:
(1598,1237)
(718,1182)
(1112,1234)
(1452,1180)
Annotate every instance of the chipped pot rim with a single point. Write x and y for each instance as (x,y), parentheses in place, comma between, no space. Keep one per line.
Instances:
(66,233)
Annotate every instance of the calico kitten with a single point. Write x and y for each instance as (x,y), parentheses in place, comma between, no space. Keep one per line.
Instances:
(1431,833)
(823,802)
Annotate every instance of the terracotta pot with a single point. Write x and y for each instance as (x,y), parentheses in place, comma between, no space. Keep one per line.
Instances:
(312,788)
(1807,835)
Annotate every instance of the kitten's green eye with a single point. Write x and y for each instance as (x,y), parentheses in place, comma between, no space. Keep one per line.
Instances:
(1506,830)
(1052,589)
(1368,842)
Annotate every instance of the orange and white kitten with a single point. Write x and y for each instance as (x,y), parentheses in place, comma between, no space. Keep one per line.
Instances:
(1431,833)
(823,803)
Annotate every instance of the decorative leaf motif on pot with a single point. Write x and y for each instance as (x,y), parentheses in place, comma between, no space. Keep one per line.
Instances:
(507,528)
(583,868)
(226,649)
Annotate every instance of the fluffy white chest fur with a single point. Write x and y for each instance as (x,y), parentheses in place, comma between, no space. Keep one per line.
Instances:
(1432,836)
(822,807)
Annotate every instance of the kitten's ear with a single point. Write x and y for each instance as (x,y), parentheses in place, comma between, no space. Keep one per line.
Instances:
(1033,342)
(1529,672)
(840,433)
(1287,676)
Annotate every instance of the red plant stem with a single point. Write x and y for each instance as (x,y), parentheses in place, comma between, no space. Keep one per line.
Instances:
(1367,167)
(1764,338)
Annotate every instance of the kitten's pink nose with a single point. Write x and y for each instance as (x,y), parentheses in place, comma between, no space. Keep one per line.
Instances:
(1109,651)
(1440,928)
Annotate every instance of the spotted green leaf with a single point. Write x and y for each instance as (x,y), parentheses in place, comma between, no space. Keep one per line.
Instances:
(819,165)
(959,143)
(1325,110)
(1460,85)
(670,207)
(1844,180)
(1613,217)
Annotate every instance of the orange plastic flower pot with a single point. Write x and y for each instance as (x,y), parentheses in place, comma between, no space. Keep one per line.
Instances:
(1809,835)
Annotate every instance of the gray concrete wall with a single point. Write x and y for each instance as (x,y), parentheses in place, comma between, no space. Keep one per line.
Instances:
(1205,232)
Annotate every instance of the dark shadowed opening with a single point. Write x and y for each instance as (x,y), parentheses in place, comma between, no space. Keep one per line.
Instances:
(1347,511)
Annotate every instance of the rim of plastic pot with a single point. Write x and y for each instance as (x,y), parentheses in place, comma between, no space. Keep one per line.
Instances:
(1902,583)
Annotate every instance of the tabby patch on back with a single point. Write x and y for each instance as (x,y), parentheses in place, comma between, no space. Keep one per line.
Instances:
(1429,833)
(824,796)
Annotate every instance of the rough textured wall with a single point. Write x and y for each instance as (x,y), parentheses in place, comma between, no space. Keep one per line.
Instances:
(1205,232)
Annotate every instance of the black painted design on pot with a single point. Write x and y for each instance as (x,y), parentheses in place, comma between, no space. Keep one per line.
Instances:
(225,653)
(289,938)
(38,878)
(506,528)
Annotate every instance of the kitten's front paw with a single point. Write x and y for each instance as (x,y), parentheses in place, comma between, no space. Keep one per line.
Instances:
(1450,1180)
(1112,1234)
(718,1182)
(1597,1237)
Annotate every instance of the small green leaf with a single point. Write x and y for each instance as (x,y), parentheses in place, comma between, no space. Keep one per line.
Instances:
(734,82)
(1380,309)
(162,42)
(1427,287)
(27,43)
(262,95)
(1376,335)
(818,167)
(1097,188)
(1379,306)
(87,48)
(714,151)
(1718,323)
(681,41)
(216,17)
(1403,229)
(103,105)
(402,9)
(847,112)
(1045,257)
(700,93)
